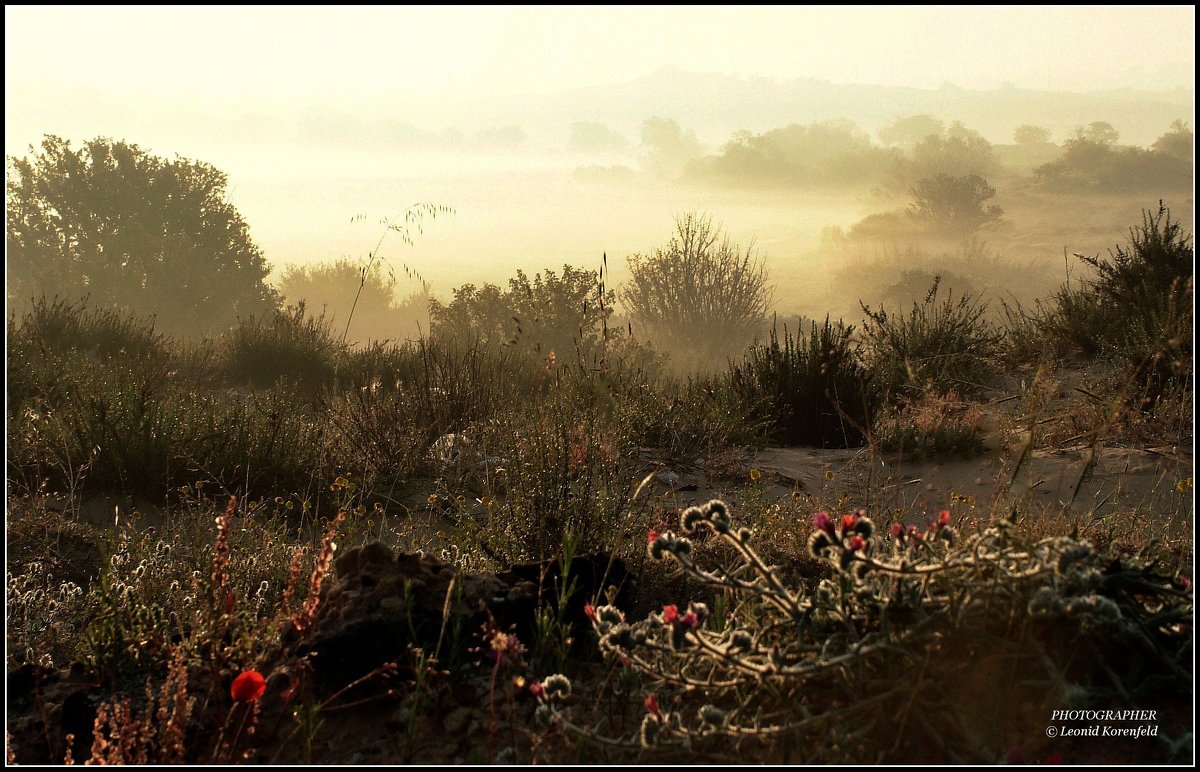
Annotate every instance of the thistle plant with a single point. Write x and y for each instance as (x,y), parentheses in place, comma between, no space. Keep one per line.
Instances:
(874,649)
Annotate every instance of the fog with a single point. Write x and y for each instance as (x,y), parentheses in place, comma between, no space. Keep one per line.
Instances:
(548,142)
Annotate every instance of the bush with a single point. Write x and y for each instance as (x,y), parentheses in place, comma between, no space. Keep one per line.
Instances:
(701,298)
(915,643)
(357,299)
(1139,306)
(289,345)
(945,345)
(814,389)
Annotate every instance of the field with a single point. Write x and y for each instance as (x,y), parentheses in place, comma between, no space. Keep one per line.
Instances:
(920,539)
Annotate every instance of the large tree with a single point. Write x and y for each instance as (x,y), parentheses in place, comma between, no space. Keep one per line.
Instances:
(127,229)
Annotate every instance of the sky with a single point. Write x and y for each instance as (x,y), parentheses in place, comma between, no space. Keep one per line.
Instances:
(330,53)
(179,79)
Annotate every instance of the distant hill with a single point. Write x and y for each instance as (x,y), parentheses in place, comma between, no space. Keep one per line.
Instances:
(717,105)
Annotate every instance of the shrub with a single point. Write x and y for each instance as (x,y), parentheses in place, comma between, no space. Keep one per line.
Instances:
(1139,306)
(931,426)
(944,345)
(918,643)
(358,300)
(290,345)
(814,389)
(701,298)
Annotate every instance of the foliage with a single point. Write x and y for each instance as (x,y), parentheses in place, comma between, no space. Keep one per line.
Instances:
(955,152)
(1028,134)
(945,345)
(700,295)
(908,132)
(592,137)
(548,316)
(666,148)
(1179,142)
(930,426)
(339,287)
(291,345)
(819,155)
(129,229)
(827,669)
(814,389)
(1139,305)
(1091,161)
(954,206)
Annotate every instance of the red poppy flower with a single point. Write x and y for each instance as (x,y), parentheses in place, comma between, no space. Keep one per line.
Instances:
(248,687)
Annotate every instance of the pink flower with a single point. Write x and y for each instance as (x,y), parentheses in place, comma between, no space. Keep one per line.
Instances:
(822,522)
(537,689)
(897,531)
(248,687)
(690,620)
(857,542)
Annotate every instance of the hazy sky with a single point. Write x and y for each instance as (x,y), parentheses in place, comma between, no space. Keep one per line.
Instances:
(234,86)
(331,53)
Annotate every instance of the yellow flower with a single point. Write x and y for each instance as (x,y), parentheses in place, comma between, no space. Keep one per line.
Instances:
(755,475)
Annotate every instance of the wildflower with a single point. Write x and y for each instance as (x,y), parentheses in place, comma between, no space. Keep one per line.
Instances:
(589,611)
(649,730)
(848,522)
(537,690)
(670,614)
(856,543)
(944,518)
(691,517)
(652,704)
(818,543)
(822,522)
(690,620)
(248,687)
(897,531)
(755,475)
(557,687)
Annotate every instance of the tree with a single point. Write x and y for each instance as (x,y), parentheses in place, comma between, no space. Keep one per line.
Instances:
(128,229)
(1178,142)
(668,147)
(954,206)
(1029,134)
(907,132)
(592,137)
(344,285)
(701,295)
